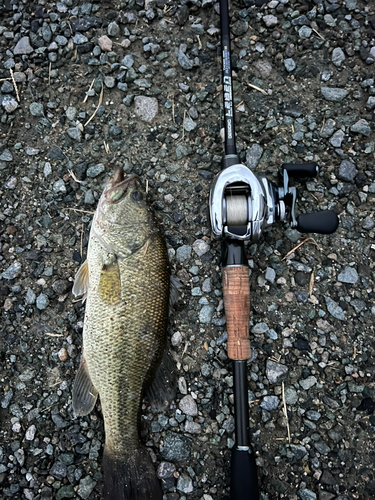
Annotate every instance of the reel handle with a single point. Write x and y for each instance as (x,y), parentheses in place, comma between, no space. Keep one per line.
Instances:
(324,222)
(301,171)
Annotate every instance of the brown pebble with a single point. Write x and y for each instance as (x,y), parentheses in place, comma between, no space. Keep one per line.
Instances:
(11,230)
(63,355)
(8,304)
(105,43)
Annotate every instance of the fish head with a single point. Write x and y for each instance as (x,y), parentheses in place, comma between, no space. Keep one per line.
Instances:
(123,218)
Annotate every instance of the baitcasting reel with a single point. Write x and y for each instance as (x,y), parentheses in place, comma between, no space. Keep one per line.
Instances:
(242,204)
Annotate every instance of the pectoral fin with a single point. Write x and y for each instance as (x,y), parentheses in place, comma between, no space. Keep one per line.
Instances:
(81,281)
(110,281)
(84,392)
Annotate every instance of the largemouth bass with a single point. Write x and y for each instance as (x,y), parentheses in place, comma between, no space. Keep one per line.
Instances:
(126,281)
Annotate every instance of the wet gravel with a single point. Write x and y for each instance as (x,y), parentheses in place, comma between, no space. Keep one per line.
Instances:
(87,87)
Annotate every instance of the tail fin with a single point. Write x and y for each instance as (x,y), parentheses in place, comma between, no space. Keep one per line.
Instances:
(130,478)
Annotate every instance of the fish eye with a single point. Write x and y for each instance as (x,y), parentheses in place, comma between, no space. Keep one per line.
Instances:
(137,196)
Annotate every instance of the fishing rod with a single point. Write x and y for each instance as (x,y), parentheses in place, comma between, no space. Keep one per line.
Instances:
(242,205)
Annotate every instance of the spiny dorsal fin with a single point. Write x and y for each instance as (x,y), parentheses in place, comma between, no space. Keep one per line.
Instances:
(84,392)
(81,281)
(110,281)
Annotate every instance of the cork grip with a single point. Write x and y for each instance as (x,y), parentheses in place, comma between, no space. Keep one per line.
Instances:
(236,290)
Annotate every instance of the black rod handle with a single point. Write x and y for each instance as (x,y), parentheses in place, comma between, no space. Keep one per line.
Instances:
(301,171)
(325,222)
(244,479)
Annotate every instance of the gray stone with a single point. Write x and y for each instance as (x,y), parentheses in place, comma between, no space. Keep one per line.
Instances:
(298,451)
(79,38)
(12,272)
(42,301)
(291,396)
(61,40)
(289,64)
(300,21)
(7,399)
(337,138)
(185,483)
(370,104)
(176,447)
(305,32)
(113,29)
(334,309)
(207,285)
(206,314)
(313,415)
(349,275)
(276,372)
(328,129)
(165,470)
(74,133)
(201,247)
(306,494)
(270,20)
(260,328)
(347,171)
(36,109)
(361,127)
(30,297)
(189,124)
(95,170)
(270,274)
(30,433)
(338,56)
(350,4)
(109,82)
(184,61)
(240,27)
(7,87)
(270,403)
(58,470)
(6,155)
(86,486)
(128,61)
(368,223)
(23,47)
(146,107)
(89,197)
(308,382)
(71,113)
(65,492)
(9,103)
(253,156)
(183,253)
(322,447)
(334,94)
(59,186)
(192,427)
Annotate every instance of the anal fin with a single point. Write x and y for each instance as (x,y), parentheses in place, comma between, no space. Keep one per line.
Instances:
(162,389)
(84,392)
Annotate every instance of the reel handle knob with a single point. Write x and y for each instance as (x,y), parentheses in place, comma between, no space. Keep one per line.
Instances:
(324,222)
(301,171)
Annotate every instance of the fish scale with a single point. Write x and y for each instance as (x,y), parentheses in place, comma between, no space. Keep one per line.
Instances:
(125,341)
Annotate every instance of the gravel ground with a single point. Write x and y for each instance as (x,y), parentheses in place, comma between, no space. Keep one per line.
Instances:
(151,73)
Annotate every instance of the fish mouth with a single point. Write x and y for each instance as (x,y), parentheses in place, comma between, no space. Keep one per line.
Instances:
(118,186)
